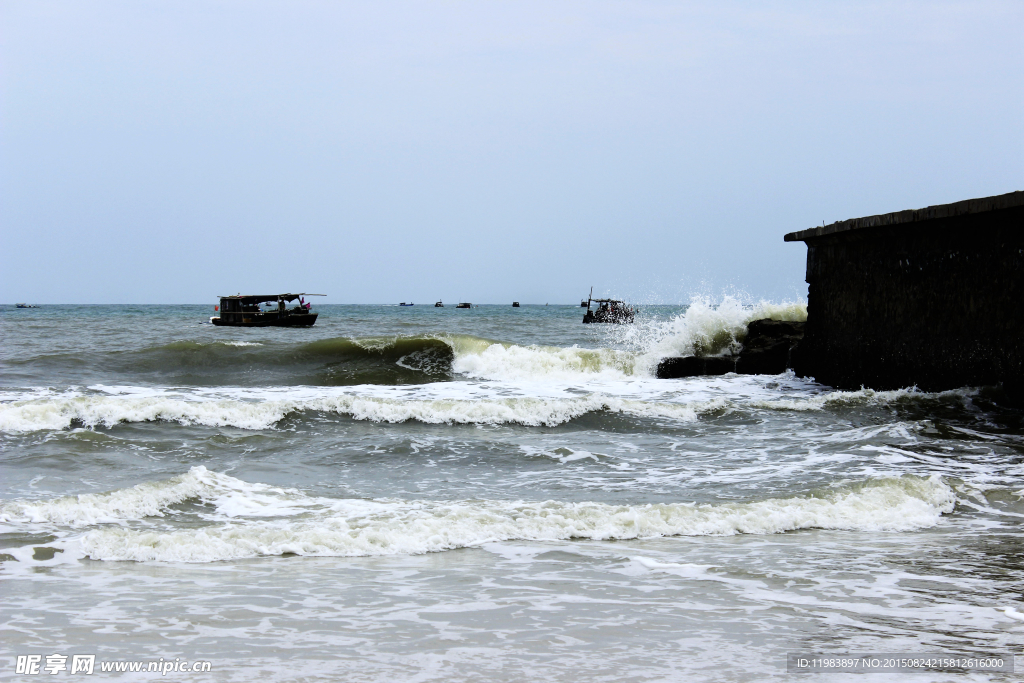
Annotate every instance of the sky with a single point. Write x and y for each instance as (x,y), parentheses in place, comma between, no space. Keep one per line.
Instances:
(170,152)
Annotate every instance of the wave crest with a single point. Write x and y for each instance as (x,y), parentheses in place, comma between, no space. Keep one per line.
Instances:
(253,520)
(107,411)
(360,528)
(144,500)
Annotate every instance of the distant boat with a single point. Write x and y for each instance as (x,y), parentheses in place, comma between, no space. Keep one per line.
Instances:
(515,304)
(244,311)
(25,306)
(405,304)
(583,303)
(439,305)
(464,305)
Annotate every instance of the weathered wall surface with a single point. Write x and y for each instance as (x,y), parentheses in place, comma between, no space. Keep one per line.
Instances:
(934,300)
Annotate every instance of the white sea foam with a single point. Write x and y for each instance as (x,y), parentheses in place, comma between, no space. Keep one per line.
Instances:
(145,500)
(683,569)
(254,520)
(440,403)
(107,410)
(1013,614)
(230,497)
(59,413)
(479,358)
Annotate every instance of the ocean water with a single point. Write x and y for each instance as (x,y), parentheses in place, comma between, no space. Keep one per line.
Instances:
(421,494)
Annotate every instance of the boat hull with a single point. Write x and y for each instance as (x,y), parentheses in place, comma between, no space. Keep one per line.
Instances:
(292,320)
(622,318)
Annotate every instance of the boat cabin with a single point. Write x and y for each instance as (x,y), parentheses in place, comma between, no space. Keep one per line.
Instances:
(265,310)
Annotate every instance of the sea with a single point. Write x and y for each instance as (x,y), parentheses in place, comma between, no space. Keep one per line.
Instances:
(489,494)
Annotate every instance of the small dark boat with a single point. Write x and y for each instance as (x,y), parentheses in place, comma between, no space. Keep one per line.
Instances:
(439,305)
(583,303)
(608,311)
(515,304)
(25,306)
(405,304)
(243,310)
(464,305)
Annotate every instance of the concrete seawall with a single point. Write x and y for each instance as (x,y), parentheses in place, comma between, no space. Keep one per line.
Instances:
(932,298)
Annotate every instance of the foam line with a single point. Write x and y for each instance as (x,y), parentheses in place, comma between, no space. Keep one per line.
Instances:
(253,520)
(106,411)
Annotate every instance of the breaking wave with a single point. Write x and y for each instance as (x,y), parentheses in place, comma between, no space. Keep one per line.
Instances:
(107,411)
(87,509)
(253,520)
(702,329)
(482,359)
(326,362)
(65,411)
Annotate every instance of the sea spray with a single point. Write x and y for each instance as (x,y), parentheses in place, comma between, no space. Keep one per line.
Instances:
(703,329)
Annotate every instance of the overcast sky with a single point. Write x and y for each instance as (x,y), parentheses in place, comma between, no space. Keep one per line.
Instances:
(168,152)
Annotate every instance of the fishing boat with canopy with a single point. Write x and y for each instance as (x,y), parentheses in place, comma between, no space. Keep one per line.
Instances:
(608,311)
(265,310)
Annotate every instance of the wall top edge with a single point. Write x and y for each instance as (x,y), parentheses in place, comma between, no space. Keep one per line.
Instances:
(962,208)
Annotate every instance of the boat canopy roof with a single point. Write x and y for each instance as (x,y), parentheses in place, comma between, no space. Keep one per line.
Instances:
(260,298)
(608,301)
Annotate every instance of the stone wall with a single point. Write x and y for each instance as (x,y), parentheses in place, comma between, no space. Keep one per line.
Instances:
(932,298)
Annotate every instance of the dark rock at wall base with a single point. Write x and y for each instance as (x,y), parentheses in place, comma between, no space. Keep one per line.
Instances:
(1012,394)
(762,334)
(692,366)
(770,361)
(770,348)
